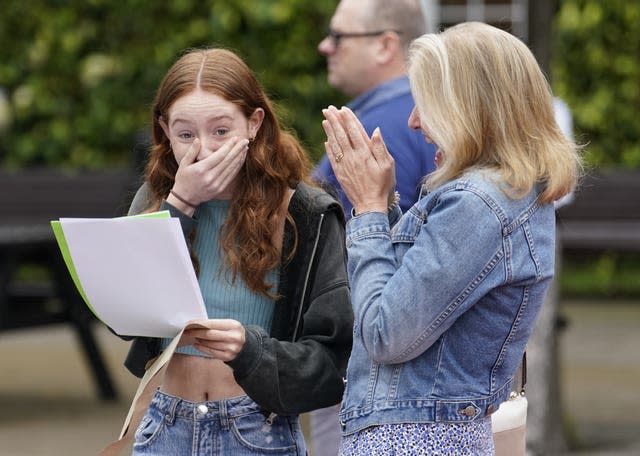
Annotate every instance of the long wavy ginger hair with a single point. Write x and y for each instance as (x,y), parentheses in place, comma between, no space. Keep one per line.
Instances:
(275,161)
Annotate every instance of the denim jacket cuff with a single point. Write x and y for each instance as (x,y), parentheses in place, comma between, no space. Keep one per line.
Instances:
(368,224)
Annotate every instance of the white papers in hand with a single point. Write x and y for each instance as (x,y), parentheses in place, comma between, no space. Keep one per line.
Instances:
(136,273)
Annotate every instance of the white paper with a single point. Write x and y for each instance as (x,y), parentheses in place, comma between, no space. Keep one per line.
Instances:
(136,273)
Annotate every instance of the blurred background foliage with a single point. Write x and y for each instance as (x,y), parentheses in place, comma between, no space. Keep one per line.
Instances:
(596,70)
(79,75)
(609,274)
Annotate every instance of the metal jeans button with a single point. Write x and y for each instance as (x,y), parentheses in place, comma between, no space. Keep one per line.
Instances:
(202,409)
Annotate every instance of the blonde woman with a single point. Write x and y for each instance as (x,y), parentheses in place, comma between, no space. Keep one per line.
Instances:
(446,296)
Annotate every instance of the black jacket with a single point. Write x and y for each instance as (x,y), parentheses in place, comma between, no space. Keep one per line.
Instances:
(299,366)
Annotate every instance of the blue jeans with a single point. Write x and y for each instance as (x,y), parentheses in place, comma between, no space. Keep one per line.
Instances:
(236,426)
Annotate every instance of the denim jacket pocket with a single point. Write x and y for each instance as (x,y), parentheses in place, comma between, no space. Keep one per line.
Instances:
(409,226)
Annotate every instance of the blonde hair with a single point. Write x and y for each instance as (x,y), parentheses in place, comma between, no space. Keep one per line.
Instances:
(487,105)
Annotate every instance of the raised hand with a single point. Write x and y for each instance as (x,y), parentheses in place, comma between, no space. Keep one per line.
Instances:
(203,176)
(362,165)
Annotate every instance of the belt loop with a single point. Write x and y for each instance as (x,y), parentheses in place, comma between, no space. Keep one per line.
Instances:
(224,417)
(171,410)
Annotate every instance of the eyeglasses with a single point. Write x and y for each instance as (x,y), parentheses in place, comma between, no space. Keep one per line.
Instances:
(336,36)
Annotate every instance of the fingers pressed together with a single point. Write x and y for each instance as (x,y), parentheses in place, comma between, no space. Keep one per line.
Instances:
(362,165)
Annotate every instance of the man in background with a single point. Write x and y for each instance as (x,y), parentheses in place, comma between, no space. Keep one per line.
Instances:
(366,49)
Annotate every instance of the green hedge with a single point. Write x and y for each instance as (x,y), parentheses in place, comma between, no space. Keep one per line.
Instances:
(600,274)
(79,76)
(597,71)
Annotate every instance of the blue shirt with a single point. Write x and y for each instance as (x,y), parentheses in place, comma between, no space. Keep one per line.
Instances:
(388,106)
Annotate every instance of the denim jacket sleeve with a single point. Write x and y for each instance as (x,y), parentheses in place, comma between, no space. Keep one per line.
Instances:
(295,376)
(409,287)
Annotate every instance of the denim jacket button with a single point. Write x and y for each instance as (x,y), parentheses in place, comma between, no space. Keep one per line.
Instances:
(490,409)
(469,410)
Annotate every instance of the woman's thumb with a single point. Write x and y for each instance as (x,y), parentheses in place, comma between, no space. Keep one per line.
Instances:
(378,146)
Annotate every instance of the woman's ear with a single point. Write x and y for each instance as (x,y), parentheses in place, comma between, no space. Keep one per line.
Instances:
(255,122)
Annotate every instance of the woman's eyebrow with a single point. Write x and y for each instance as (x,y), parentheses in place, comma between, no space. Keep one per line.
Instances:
(209,119)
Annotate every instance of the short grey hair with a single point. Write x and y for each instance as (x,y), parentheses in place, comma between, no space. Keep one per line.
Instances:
(405,16)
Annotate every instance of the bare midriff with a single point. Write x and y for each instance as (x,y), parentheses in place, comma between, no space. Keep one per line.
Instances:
(199,379)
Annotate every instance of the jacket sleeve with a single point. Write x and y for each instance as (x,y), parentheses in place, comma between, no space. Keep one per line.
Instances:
(292,377)
(141,200)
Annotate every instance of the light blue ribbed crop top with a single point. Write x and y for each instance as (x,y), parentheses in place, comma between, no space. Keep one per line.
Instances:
(222,298)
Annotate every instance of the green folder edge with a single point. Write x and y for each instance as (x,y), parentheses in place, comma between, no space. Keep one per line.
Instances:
(66,255)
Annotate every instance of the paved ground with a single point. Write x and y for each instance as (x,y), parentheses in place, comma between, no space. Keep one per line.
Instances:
(600,377)
(49,406)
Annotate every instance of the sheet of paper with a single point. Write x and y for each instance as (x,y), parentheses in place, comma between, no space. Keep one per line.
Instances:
(66,256)
(136,273)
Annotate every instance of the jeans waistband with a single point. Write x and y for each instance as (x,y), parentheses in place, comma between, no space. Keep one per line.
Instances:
(172,406)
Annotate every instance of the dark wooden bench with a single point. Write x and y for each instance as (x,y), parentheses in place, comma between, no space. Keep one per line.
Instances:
(35,286)
(604,215)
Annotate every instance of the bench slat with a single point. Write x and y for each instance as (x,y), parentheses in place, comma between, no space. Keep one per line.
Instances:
(31,197)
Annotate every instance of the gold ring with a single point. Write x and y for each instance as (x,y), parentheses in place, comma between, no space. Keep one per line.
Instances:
(339,157)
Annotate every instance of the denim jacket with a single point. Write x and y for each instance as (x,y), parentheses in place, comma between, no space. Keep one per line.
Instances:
(444,302)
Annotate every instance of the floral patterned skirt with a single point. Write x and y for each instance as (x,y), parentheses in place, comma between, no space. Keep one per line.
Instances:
(473,438)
